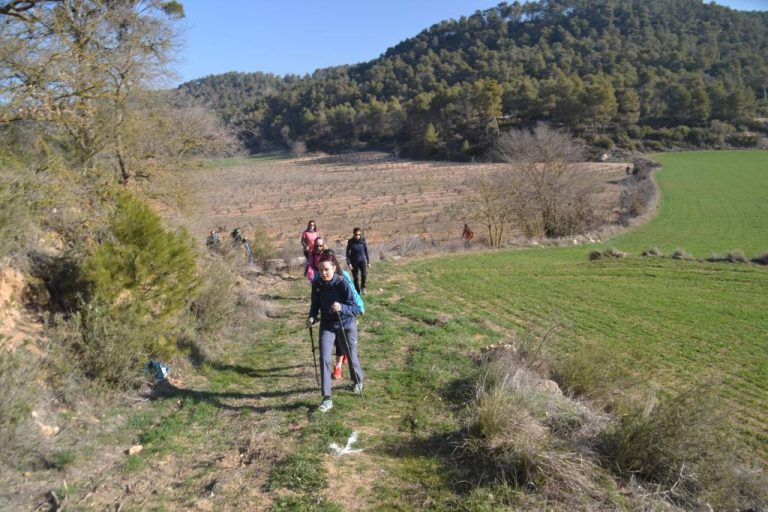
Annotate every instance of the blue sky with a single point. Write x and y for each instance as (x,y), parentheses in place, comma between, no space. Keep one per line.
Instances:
(299,36)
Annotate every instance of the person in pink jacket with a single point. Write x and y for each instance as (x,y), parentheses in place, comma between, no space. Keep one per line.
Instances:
(308,238)
(314,258)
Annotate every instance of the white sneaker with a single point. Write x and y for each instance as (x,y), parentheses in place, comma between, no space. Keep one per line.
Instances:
(326,405)
(358,388)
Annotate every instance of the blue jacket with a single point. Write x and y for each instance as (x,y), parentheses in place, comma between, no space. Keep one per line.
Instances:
(325,294)
(357,251)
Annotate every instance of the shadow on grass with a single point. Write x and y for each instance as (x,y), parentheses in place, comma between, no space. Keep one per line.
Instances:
(165,390)
(256,373)
(459,474)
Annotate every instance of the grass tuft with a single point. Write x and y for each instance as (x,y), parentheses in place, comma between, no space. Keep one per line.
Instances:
(681,254)
(683,444)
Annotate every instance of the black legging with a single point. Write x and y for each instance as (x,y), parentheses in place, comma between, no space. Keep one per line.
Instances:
(359,270)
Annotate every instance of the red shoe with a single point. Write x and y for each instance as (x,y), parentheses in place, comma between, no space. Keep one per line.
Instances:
(336,375)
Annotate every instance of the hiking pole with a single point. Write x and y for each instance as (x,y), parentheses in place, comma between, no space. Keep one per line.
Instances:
(349,355)
(314,359)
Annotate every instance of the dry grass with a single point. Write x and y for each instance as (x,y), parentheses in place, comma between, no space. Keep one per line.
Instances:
(525,432)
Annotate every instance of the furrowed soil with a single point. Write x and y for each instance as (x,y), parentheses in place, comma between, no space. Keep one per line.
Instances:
(394,200)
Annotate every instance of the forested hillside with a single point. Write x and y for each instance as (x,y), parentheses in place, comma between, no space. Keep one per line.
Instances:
(636,74)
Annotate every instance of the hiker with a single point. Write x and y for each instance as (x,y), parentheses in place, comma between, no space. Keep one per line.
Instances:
(247,247)
(236,235)
(213,239)
(340,357)
(314,258)
(467,235)
(333,300)
(358,260)
(308,238)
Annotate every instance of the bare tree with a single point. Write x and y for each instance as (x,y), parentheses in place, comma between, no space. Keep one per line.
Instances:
(492,204)
(551,197)
(76,63)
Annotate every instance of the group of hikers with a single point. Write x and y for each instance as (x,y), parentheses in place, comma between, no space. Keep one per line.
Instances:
(238,238)
(336,299)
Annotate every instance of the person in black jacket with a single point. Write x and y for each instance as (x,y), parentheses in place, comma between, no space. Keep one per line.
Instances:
(333,299)
(358,260)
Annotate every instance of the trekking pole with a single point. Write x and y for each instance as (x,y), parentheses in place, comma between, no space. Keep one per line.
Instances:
(314,359)
(349,355)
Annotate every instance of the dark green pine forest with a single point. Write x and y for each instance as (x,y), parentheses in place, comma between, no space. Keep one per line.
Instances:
(619,74)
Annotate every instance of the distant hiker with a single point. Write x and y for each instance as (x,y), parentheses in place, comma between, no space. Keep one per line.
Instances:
(340,357)
(358,260)
(247,248)
(236,235)
(467,235)
(314,258)
(308,238)
(213,240)
(333,300)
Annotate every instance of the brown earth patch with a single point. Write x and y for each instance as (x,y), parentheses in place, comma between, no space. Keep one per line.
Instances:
(400,202)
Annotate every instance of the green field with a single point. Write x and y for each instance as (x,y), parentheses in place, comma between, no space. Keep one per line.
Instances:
(713,202)
(675,322)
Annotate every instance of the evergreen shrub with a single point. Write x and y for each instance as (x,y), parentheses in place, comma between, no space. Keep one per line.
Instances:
(141,280)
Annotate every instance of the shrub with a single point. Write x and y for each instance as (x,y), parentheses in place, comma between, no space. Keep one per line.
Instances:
(683,444)
(610,252)
(613,252)
(680,254)
(141,280)
(742,140)
(214,304)
(17,398)
(262,245)
(761,260)
(20,201)
(512,432)
(596,373)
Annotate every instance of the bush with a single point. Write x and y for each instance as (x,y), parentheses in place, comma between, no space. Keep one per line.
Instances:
(512,432)
(680,254)
(20,200)
(214,304)
(761,260)
(141,280)
(17,398)
(610,252)
(742,140)
(684,444)
(596,373)
(262,246)
(652,252)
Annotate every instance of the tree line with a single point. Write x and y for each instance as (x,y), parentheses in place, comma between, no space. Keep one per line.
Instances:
(633,74)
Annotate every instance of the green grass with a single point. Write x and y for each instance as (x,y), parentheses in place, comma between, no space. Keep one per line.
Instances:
(673,322)
(714,202)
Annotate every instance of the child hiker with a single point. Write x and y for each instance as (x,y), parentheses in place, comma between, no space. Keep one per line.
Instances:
(333,300)
(340,357)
